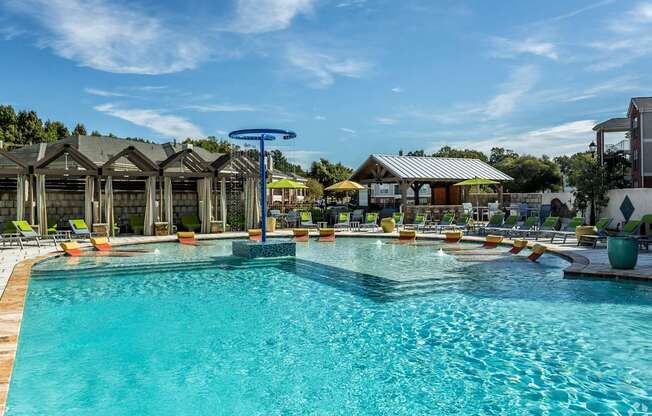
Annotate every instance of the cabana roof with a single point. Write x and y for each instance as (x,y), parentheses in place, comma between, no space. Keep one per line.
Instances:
(392,168)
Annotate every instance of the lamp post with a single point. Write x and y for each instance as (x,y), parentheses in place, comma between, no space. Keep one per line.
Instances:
(593,148)
(262,135)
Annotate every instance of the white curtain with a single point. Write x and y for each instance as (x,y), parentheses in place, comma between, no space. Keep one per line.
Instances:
(205,186)
(108,205)
(252,203)
(20,197)
(89,187)
(223,202)
(42,211)
(167,203)
(150,205)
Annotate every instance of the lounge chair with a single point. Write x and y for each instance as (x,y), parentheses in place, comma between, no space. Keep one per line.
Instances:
(445,222)
(343,220)
(600,230)
(509,225)
(419,223)
(371,221)
(80,229)
(26,233)
(306,220)
(496,221)
(52,227)
(398,219)
(461,222)
(568,230)
(549,227)
(137,224)
(630,228)
(468,208)
(526,228)
(190,223)
(646,240)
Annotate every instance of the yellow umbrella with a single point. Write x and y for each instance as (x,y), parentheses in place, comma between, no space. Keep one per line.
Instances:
(344,186)
(285,184)
(476,182)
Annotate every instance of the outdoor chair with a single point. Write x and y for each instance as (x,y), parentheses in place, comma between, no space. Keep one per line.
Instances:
(191,223)
(600,230)
(646,240)
(292,219)
(80,229)
(27,233)
(493,208)
(52,227)
(461,222)
(420,221)
(343,220)
(467,207)
(137,224)
(445,222)
(568,230)
(398,219)
(509,225)
(495,222)
(630,228)
(306,219)
(357,215)
(526,228)
(548,227)
(371,221)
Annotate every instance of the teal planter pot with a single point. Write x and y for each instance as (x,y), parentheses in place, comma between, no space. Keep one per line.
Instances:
(623,252)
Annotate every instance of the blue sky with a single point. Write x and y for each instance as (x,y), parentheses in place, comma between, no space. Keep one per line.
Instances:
(351,77)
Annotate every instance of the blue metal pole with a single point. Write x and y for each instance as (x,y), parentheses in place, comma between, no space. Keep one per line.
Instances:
(263,193)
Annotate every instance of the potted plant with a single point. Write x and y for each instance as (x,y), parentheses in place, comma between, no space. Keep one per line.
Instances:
(622,251)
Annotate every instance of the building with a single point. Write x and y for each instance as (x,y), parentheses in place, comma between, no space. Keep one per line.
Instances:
(637,145)
(290,195)
(439,174)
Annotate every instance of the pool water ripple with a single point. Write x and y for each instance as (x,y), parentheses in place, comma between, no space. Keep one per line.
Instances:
(354,327)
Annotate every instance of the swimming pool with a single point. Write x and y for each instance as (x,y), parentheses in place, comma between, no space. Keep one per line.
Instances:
(356,327)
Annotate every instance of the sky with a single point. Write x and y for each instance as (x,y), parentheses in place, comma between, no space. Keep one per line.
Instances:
(351,77)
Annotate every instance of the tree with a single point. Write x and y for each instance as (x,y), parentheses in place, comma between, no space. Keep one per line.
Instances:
(8,124)
(30,127)
(415,153)
(448,151)
(282,164)
(96,133)
(327,173)
(530,173)
(55,130)
(588,178)
(80,130)
(498,154)
(315,190)
(212,144)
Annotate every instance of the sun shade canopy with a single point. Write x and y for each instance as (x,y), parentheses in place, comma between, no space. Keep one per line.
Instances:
(345,186)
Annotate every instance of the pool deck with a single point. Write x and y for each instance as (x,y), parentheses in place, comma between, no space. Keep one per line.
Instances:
(16,265)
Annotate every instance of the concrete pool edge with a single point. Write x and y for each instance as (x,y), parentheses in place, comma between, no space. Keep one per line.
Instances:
(12,299)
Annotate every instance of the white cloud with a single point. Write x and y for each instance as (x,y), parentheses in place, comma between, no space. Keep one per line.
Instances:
(617,85)
(347,130)
(520,82)
(303,157)
(507,48)
(104,93)
(386,120)
(151,88)
(222,108)
(111,37)
(155,120)
(320,118)
(260,16)
(397,90)
(323,67)
(351,3)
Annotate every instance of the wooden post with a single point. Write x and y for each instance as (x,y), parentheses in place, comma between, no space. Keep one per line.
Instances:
(403,186)
(500,196)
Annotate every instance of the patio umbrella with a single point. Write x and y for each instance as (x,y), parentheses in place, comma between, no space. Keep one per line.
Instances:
(344,186)
(476,182)
(285,184)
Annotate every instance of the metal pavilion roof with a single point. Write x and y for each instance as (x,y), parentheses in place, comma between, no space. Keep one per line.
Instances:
(420,168)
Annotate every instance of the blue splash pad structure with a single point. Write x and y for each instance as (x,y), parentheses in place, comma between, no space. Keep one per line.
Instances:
(259,249)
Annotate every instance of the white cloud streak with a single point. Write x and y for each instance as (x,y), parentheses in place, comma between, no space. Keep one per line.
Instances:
(110,37)
(261,16)
(323,68)
(520,82)
(222,108)
(104,93)
(507,48)
(388,121)
(165,124)
(347,130)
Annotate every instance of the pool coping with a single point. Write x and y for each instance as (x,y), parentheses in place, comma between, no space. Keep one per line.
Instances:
(12,299)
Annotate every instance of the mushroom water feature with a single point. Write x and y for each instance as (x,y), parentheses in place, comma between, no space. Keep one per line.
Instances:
(263,248)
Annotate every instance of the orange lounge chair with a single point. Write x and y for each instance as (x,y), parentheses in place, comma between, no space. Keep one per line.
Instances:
(102,244)
(187,237)
(492,241)
(537,251)
(300,234)
(255,234)
(327,235)
(72,249)
(518,246)
(454,236)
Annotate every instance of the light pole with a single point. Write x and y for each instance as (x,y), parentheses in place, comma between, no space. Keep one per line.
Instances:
(262,135)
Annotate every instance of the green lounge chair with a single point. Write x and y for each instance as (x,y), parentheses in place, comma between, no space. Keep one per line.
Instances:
(80,229)
(524,230)
(343,220)
(495,222)
(568,230)
(371,221)
(445,222)
(600,230)
(52,227)
(137,224)
(509,224)
(420,221)
(27,233)
(190,222)
(398,219)
(461,222)
(548,227)
(306,219)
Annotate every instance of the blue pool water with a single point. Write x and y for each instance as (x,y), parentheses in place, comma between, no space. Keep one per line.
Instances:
(352,328)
